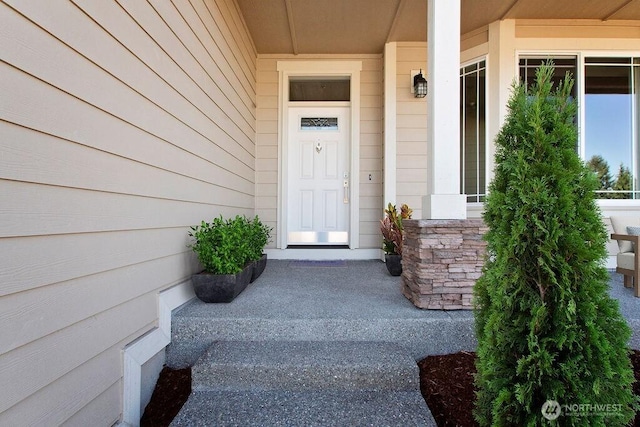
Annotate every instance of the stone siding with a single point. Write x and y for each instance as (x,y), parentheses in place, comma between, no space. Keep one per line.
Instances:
(441,261)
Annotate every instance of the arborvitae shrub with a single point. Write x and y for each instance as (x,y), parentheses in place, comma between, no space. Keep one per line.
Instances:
(546,326)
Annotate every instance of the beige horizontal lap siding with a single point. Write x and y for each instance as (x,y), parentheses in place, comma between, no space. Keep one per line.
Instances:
(473,39)
(411,129)
(571,36)
(122,123)
(267,143)
(370,151)
(578,29)
(267,162)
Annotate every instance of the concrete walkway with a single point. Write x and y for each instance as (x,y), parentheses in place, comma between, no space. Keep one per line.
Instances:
(629,307)
(298,320)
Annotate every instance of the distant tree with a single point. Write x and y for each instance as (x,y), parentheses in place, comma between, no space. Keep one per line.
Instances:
(622,183)
(600,167)
(547,329)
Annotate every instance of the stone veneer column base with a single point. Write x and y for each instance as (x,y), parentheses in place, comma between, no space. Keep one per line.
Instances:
(441,260)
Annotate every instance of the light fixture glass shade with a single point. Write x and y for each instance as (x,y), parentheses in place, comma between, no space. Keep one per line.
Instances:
(419,85)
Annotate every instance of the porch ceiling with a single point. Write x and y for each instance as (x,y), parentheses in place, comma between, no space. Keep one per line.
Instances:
(364,26)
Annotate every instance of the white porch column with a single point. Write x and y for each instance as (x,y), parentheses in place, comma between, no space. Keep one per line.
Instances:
(502,72)
(443,199)
(390,114)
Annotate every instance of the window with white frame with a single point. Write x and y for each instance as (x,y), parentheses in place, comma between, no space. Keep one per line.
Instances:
(611,122)
(562,66)
(473,180)
(610,134)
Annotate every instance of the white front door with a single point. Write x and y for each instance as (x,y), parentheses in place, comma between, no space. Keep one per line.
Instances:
(319,176)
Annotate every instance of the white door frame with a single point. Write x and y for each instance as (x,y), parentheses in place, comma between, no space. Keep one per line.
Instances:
(287,69)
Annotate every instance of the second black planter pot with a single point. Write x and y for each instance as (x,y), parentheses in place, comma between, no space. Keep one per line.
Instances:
(259,267)
(394,264)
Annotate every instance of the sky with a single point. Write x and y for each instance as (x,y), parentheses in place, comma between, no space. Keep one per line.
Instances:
(608,119)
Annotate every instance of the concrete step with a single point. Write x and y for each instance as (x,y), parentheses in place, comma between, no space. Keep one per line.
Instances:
(305,365)
(358,301)
(310,408)
(436,332)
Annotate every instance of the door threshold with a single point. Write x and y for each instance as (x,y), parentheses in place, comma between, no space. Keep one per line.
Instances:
(318,247)
(324,253)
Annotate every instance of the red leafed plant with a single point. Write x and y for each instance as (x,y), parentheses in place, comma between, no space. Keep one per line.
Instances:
(392,230)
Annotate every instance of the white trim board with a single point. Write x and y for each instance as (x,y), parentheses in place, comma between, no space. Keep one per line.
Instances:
(144,348)
(321,254)
(390,124)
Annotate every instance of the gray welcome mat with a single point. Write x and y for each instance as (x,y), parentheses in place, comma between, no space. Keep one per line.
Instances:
(310,263)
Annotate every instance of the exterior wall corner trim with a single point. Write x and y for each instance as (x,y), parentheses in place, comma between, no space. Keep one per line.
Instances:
(144,348)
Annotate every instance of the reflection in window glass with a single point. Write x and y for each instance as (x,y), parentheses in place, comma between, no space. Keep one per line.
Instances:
(304,89)
(562,64)
(472,131)
(611,129)
(610,102)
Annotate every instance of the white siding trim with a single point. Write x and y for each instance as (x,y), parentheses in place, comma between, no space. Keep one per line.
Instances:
(144,348)
(502,69)
(390,122)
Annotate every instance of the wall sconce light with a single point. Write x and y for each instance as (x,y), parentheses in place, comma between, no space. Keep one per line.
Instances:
(418,84)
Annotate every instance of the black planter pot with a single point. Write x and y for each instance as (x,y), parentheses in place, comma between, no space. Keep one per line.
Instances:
(221,287)
(393,263)
(258,267)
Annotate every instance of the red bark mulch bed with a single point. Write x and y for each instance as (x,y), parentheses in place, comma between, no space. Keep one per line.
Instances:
(171,392)
(446,383)
(447,387)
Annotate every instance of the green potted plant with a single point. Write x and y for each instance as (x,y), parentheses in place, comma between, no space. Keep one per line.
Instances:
(393,236)
(259,236)
(224,249)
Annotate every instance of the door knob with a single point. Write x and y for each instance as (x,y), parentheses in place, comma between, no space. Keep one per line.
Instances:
(318,147)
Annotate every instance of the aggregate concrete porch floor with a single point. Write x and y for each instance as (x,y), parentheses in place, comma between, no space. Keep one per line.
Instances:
(336,301)
(320,301)
(322,289)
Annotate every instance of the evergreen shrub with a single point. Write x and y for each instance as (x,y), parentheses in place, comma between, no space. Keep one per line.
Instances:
(547,329)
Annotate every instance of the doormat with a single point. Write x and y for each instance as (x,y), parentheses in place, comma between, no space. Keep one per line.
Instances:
(309,263)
